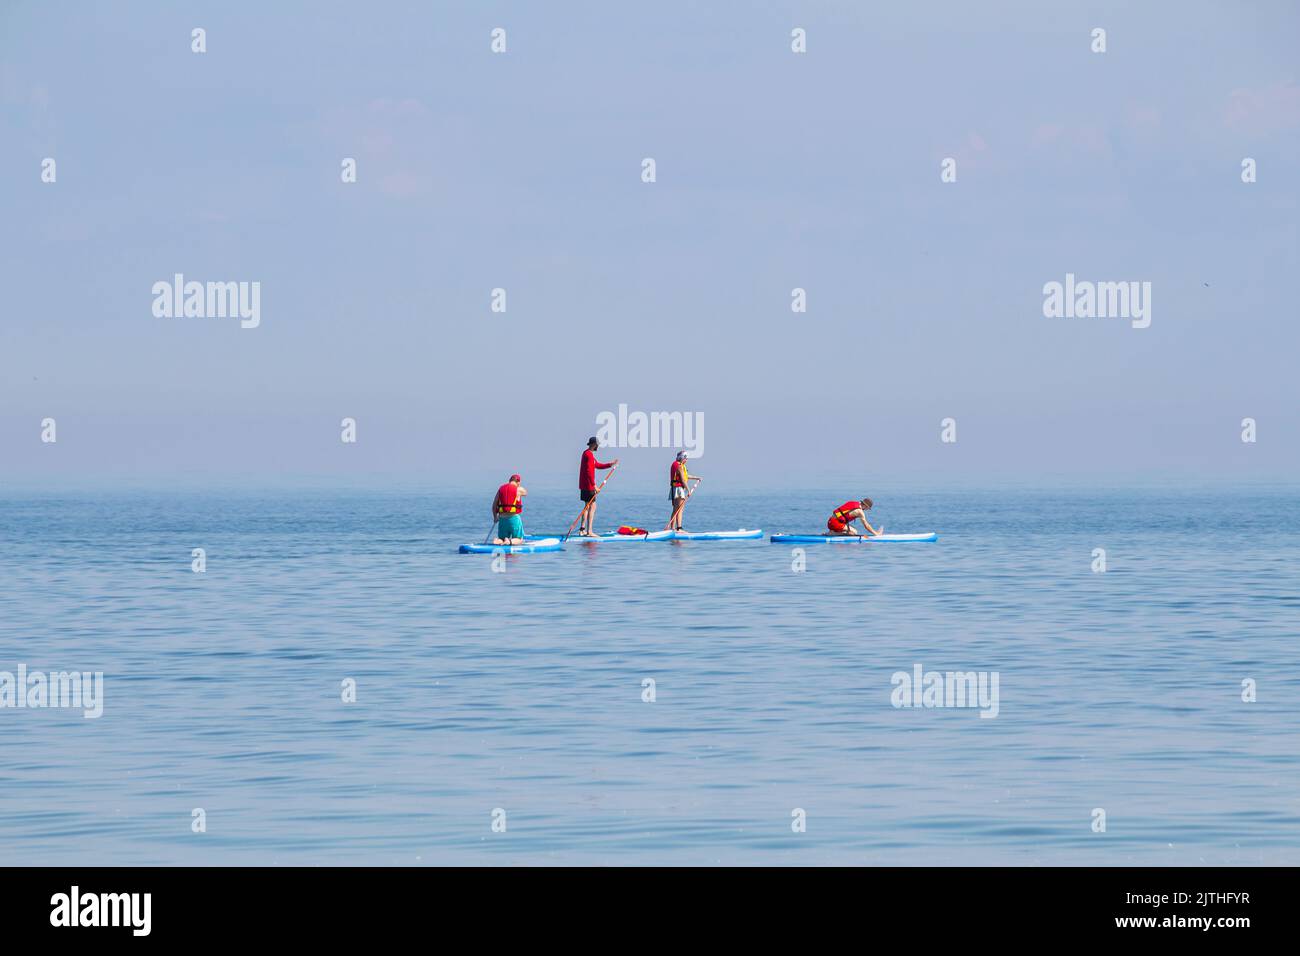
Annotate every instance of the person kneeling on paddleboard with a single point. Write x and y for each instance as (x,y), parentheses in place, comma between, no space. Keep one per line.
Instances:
(678,491)
(507,507)
(587,487)
(842,518)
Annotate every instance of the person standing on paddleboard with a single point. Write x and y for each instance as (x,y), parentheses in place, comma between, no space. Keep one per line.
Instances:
(507,508)
(587,487)
(678,491)
(842,518)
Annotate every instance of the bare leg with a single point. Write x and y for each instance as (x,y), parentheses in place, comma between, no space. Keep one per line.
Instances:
(848,531)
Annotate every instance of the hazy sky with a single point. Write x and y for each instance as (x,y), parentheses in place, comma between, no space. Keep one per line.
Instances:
(522,170)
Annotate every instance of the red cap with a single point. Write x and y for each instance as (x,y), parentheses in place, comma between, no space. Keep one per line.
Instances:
(515,478)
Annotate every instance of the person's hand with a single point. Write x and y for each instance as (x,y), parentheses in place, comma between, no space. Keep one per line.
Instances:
(616,461)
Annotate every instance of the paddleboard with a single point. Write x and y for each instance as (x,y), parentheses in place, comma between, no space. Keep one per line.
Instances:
(610,536)
(852,538)
(741,535)
(531,547)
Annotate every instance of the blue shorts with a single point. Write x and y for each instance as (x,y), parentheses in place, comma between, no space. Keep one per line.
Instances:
(510,526)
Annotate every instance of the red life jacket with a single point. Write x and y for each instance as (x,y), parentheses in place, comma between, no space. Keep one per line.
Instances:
(626,529)
(844,510)
(509,500)
(678,475)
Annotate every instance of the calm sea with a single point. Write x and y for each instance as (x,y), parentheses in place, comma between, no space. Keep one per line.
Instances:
(519,695)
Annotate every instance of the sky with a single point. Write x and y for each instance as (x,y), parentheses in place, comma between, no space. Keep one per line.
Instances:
(523,170)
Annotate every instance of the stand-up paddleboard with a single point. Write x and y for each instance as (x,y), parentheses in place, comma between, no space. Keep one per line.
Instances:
(741,535)
(530,547)
(609,536)
(852,538)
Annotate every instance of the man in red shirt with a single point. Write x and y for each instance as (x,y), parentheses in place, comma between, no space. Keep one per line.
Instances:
(587,487)
(842,518)
(507,508)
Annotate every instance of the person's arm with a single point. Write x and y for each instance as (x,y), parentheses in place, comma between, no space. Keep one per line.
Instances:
(607,464)
(523,492)
(495,501)
(860,514)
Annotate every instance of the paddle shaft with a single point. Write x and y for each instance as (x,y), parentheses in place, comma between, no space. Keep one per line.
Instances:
(587,504)
(493,529)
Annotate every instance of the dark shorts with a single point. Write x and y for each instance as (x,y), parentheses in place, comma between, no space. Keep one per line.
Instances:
(586,494)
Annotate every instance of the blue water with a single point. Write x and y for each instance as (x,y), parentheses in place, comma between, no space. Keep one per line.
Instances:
(522,690)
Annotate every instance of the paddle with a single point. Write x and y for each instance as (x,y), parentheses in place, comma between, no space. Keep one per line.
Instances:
(585,504)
